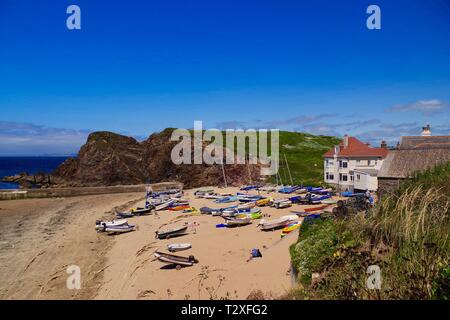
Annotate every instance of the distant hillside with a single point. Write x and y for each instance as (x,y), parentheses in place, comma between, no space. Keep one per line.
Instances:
(304,155)
(110,159)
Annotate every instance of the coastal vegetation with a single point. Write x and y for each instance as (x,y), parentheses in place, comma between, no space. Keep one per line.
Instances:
(406,235)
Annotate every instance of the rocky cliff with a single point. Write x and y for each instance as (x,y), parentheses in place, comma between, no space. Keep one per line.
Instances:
(111,159)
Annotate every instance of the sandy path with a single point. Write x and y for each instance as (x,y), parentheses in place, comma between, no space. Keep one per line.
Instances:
(223,270)
(39,238)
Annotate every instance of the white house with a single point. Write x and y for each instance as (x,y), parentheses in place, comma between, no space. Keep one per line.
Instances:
(354,165)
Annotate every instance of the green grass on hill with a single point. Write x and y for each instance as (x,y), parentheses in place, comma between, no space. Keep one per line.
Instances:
(407,235)
(304,155)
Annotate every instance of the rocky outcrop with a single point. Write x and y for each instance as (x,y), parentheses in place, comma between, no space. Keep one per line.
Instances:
(106,159)
(111,159)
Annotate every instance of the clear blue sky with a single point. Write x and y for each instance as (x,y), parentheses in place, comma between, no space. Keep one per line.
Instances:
(137,67)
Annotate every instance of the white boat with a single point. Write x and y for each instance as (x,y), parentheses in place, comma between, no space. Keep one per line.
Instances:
(237,222)
(277,223)
(101,225)
(120,229)
(283,203)
(164,205)
(173,247)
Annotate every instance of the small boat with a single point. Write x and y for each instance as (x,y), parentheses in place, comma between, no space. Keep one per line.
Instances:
(101,225)
(211,196)
(290,227)
(268,188)
(247,205)
(247,188)
(201,193)
(176,260)
(283,203)
(164,205)
(226,199)
(173,247)
(135,212)
(289,189)
(120,229)
(191,210)
(277,223)
(256,214)
(179,208)
(237,222)
(264,202)
(248,197)
(171,233)
(211,211)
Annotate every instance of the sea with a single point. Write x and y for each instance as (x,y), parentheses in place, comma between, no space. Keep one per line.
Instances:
(10,166)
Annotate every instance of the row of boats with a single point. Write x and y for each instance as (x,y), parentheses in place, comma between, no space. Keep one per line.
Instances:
(247,209)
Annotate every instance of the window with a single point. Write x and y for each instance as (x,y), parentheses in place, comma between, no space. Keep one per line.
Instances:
(342,164)
(352,177)
(358,177)
(343,177)
(329,176)
(369,162)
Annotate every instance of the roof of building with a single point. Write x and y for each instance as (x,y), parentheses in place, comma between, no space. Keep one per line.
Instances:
(403,163)
(356,148)
(424,142)
(371,172)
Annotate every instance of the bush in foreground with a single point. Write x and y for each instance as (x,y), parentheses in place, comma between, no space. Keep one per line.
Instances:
(406,235)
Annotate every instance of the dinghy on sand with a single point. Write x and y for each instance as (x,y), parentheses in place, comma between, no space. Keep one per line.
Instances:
(237,222)
(101,225)
(120,229)
(277,223)
(135,212)
(178,261)
(171,233)
(173,247)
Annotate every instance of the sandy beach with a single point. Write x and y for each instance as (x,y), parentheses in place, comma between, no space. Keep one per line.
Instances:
(39,238)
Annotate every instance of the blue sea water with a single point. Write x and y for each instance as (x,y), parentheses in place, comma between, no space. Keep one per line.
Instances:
(10,166)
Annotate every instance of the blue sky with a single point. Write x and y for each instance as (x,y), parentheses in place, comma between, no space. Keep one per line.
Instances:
(137,67)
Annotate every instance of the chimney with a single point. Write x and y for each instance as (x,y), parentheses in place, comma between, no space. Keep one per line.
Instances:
(426,131)
(345,141)
(383,144)
(336,150)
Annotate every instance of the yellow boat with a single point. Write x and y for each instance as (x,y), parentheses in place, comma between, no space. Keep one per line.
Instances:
(291,227)
(264,202)
(191,210)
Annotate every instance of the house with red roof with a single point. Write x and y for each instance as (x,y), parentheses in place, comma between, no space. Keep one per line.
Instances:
(353,165)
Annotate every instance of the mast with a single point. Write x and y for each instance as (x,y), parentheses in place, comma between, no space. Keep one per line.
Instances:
(249,172)
(224,176)
(289,171)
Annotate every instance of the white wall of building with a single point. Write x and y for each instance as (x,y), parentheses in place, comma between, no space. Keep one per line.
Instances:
(337,172)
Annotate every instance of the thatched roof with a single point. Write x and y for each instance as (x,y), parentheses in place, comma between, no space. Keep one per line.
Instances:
(420,142)
(403,163)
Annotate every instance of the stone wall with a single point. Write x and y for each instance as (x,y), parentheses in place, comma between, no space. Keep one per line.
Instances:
(81,191)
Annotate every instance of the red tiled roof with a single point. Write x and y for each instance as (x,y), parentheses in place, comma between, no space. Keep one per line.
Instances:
(357,148)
